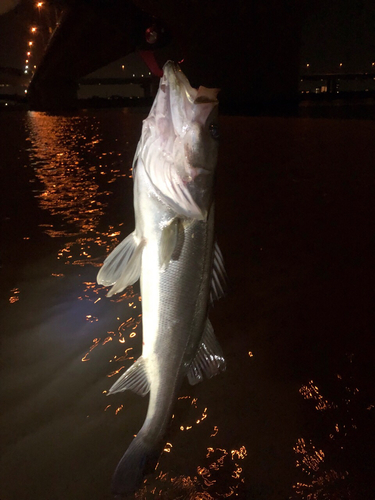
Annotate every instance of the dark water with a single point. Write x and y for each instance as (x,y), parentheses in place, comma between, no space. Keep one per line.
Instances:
(293,415)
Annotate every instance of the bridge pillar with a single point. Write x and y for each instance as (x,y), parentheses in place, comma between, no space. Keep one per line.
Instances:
(332,85)
(146,87)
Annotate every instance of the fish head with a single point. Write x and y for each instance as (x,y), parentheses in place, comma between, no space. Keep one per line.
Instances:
(179,144)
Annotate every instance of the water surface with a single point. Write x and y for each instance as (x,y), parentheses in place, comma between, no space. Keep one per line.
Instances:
(293,415)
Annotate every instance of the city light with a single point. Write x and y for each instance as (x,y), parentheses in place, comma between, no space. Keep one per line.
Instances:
(33,29)
(30,44)
(28,53)
(307,65)
(39,5)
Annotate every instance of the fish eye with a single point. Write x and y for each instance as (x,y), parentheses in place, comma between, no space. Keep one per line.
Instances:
(214,131)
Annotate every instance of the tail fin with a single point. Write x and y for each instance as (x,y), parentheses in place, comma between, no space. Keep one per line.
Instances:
(137,461)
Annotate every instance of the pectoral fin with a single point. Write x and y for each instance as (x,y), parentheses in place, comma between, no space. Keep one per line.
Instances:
(122,267)
(218,282)
(209,360)
(168,243)
(134,379)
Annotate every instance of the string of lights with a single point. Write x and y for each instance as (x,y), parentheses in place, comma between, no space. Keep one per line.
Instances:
(30,56)
(40,30)
(340,65)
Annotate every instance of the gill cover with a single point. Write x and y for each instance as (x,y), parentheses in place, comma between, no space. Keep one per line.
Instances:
(177,148)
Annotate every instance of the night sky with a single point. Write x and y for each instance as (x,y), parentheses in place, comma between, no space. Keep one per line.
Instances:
(15,26)
(341,31)
(14,32)
(334,32)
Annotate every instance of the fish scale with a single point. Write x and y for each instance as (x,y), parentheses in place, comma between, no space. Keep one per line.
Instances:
(184,288)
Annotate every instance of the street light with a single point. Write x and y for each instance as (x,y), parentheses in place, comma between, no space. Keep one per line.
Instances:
(39,5)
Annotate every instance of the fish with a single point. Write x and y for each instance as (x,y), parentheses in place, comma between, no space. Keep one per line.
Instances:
(173,252)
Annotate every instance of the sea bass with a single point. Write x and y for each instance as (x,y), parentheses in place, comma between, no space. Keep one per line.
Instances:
(172,251)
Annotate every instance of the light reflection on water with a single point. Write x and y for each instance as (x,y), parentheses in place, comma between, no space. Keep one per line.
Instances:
(67,159)
(325,475)
(218,475)
(14,297)
(75,176)
(126,331)
(69,188)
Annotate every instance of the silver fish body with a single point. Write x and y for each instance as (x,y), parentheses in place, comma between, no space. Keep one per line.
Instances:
(173,252)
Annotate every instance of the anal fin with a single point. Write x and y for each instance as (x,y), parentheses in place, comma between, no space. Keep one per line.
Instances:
(209,360)
(134,379)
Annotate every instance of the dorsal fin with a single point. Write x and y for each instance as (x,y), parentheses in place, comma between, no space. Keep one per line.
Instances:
(218,281)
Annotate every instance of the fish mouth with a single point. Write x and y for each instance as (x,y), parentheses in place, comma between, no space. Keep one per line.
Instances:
(202,95)
(178,81)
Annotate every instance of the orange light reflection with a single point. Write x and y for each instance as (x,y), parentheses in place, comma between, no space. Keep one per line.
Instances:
(314,462)
(115,372)
(59,151)
(219,472)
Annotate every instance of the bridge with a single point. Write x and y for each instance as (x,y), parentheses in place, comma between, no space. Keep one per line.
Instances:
(10,79)
(13,76)
(146,83)
(332,79)
(248,49)
(89,35)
